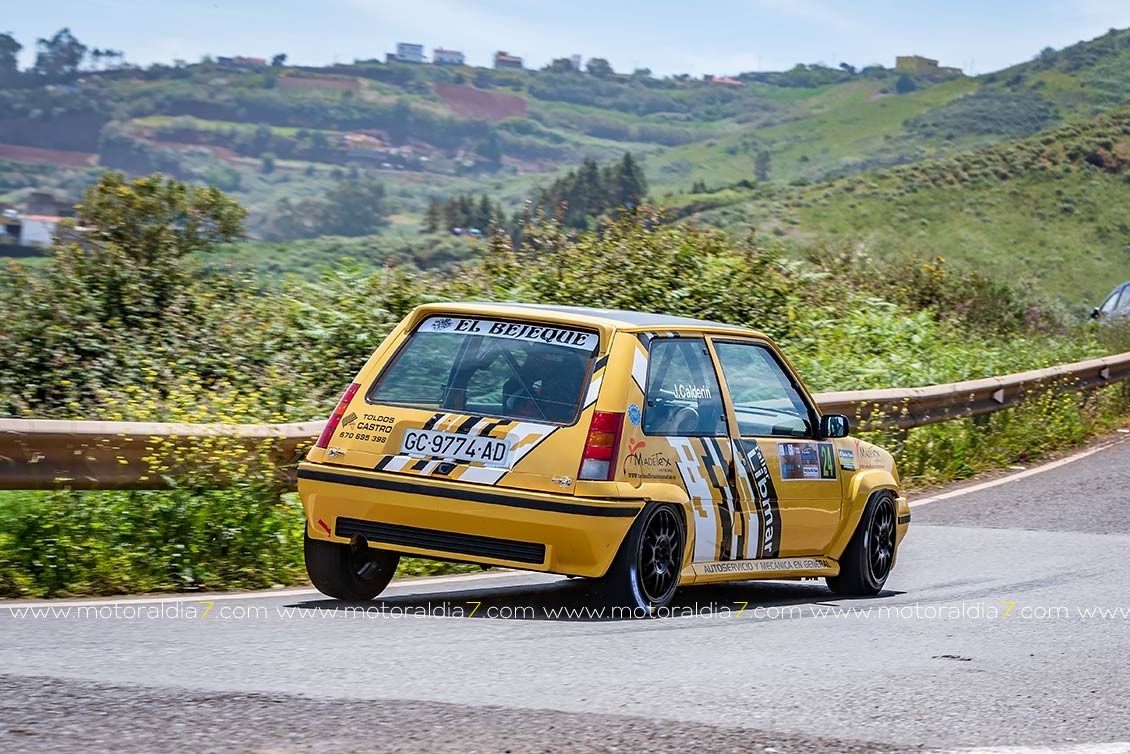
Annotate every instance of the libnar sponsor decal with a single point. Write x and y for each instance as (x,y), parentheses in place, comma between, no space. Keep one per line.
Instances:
(765,498)
(558,336)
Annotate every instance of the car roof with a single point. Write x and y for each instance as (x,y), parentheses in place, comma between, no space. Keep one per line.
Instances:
(617,318)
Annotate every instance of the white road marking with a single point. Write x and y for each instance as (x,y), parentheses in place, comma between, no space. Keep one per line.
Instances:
(1115,747)
(263,594)
(1013,477)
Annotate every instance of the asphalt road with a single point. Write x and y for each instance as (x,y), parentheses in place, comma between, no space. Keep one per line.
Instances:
(989,635)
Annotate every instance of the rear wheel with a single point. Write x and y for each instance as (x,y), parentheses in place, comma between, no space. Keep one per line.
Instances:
(645,574)
(352,571)
(866,563)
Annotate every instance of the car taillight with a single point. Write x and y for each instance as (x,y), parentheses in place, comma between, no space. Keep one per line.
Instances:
(601,447)
(335,417)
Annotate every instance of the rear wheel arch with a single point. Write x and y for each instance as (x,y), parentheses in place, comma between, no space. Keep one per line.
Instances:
(621,585)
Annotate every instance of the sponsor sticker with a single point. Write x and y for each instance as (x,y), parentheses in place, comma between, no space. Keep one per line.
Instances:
(806,460)
(640,463)
(762,566)
(768,510)
(869,456)
(557,336)
(847,459)
(635,415)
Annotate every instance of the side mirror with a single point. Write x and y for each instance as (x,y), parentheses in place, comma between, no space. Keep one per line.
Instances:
(834,425)
(1095,313)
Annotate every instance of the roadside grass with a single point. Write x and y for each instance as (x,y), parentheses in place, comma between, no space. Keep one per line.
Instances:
(1048,422)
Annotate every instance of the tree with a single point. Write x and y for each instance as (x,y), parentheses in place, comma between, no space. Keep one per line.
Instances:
(589,194)
(105,59)
(278,61)
(847,68)
(433,215)
(599,67)
(761,166)
(484,214)
(905,84)
(628,185)
(354,207)
(268,163)
(490,149)
(560,65)
(400,123)
(136,236)
(122,293)
(59,57)
(9,57)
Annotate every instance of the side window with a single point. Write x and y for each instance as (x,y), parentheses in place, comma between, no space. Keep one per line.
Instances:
(766,402)
(683,397)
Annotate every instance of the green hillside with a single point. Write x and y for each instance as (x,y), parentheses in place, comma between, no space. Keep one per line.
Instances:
(1049,210)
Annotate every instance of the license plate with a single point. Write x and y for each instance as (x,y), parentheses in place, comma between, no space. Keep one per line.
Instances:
(448,445)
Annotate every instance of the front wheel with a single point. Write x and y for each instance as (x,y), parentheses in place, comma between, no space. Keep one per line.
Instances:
(352,571)
(867,560)
(645,574)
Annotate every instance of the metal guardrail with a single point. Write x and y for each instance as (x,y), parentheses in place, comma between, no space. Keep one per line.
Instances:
(46,454)
(903,408)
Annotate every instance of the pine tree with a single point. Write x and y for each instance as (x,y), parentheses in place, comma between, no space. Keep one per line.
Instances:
(761,166)
(433,215)
(630,186)
(484,214)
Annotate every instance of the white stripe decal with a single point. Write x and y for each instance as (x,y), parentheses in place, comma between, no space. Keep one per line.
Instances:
(396,463)
(639,368)
(702,500)
(594,391)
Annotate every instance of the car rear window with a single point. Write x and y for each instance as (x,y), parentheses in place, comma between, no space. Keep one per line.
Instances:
(512,370)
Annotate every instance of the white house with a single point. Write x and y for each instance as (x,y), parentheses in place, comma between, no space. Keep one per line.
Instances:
(441,56)
(407,52)
(37,230)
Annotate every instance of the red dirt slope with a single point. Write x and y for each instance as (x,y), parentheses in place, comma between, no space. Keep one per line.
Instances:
(47,156)
(475,103)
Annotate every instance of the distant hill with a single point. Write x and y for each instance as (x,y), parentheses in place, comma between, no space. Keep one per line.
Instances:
(271,135)
(1049,209)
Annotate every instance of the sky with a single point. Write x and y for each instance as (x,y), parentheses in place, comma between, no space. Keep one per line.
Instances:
(668,36)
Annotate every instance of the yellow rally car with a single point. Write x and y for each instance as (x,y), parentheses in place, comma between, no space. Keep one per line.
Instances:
(643,450)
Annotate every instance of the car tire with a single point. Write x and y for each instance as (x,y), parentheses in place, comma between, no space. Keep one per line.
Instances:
(645,574)
(352,571)
(868,558)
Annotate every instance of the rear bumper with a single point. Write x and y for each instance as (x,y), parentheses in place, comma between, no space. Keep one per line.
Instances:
(902,508)
(460,521)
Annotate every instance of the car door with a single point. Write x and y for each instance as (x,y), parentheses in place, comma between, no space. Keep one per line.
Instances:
(683,409)
(787,479)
